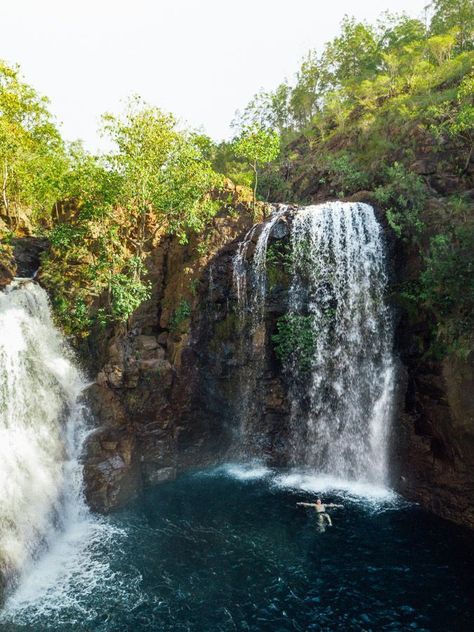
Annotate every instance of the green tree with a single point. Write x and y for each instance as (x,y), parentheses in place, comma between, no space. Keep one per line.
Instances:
(157,181)
(269,110)
(463,123)
(441,47)
(456,16)
(305,96)
(457,117)
(259,147)
(164,175)
(398,31)
(32,154)
(352,56)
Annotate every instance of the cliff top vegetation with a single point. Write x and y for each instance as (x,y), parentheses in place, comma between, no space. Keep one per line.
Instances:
(387,108)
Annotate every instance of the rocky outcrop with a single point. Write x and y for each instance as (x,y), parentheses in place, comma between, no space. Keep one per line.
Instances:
(433,432)
(173,386)
(435,429)
(20,257)
(151,388)
(433,442)
(7,261)
(7,267)
(27,254)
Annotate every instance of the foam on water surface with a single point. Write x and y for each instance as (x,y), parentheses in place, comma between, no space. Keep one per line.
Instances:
(243,471)
(311,482)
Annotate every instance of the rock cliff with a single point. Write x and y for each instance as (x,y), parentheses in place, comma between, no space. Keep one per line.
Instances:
(158,406)
(168,388)
(172,387)
(433,458)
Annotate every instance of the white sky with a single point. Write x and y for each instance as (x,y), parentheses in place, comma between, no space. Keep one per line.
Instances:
(200,59)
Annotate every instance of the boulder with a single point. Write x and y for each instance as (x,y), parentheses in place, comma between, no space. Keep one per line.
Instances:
(27,252)
(111,469)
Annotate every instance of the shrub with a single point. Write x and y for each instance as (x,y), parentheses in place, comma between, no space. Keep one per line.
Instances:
(403,197)
(180,315)
(345,177)
(295,341)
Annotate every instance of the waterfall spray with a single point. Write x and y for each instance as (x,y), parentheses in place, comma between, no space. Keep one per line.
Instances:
(258,281)
(250,285)
(42,428)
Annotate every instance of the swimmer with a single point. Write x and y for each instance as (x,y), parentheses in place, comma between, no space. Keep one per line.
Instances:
(320,508)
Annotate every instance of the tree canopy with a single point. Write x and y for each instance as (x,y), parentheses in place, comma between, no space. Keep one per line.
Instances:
(33,158)
(352,118)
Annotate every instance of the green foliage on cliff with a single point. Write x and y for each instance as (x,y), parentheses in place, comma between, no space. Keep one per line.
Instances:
(387,108)
(403,197)
(102,213)
(156,181)
(279,262)
(445,287)
(128,290)
(162,171)
(295,341)
(369,99)
(180,316)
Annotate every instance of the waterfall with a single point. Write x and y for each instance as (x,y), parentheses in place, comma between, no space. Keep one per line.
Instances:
(42,428)
(257,270)
(335,339)
(340,423)
(250,286)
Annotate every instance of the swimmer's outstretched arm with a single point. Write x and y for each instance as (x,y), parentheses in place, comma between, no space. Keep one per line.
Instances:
(306,504)
(332,505)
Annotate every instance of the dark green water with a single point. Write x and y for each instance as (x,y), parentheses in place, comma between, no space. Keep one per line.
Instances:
(217,552)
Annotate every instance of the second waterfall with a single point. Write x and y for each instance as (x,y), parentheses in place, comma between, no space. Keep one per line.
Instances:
(333,339)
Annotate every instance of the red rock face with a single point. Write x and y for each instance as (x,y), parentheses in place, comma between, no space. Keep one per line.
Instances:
(20,258)
(7,266)
(149,392)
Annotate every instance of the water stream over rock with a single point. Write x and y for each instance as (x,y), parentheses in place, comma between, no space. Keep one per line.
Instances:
(308,334)
(334,340)
(43,425)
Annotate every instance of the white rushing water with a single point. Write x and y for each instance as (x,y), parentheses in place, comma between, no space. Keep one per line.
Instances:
(257,270)
(39,422)
(250,286)
(48,538)
(338,334)
(337,298)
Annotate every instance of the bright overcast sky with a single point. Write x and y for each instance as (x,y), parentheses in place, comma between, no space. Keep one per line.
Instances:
(200,59)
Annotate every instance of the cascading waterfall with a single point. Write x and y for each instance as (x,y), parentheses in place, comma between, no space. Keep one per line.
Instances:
(340,424)
(257,270)
(42,429)
(250,285)
(337,359)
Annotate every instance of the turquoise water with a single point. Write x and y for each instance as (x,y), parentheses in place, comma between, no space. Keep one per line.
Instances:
(228,550)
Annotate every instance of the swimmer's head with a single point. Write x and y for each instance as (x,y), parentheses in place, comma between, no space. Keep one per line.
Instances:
(318,501)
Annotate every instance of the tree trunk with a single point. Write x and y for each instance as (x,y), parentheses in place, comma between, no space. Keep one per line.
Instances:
(255,186)
(468,161)
(4,186)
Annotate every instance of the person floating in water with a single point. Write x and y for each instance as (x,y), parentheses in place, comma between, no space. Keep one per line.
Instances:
(323,517)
